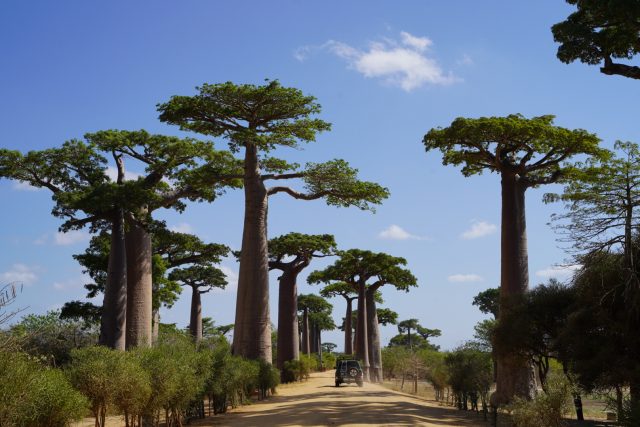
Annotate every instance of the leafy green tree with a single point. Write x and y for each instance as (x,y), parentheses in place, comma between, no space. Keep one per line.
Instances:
(526,153)
(601,32)
(488,302)
(316,313)
(258,119)
(470,376)
(328,347)
(346,291)
(201,279)
(406,326)
(291,253)
(367,272)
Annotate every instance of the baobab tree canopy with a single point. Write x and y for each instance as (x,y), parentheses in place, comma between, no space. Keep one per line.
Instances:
(301,246)
(601,31)
(534,149)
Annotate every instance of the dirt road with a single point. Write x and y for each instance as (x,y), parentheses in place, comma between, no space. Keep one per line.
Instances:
(318,403)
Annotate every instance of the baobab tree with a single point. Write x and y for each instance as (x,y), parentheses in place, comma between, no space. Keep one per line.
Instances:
(406,326)
(526,153)
(601,32)
(201,279)
(291,253)
(367,272)
(313,308)
(258,119)
(346,291)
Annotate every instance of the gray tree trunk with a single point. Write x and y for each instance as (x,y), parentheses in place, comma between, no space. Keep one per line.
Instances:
(362,342)
(515,374)
(252,335)
(155,330)
(139,286)
(195,319)
(375,350)
(288,344)
(114,312)
(348,328)
(306,344)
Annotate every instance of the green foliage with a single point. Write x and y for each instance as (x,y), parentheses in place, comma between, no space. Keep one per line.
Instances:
(302,246)
(599,31)
(546,409)
(202,277)
(268,378)
(265,116)
(386,316)
(32,395)
(470,374)
(340,185)
(299,370)
(50,338)
(488,302)
(533,148)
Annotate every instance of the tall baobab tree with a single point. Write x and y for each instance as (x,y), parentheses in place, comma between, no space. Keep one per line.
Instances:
(525,153)
(291,253)
(367,272)
(346,291)
(201,279)
(258,119)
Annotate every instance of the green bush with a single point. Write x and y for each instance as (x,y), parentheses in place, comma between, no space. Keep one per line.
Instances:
(32,395)
(268,378)
(178,375)
(110,378)
(546,409)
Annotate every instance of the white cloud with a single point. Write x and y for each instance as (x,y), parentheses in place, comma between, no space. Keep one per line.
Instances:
(418,43)
(465,60)
(183,227)
(479,229)
(403,64)
(302,53)
(395,232)
(559,272)
(112,173)
(232,279)
(24,186)
(20,273)
(70,284)
(69,238)
(465,278)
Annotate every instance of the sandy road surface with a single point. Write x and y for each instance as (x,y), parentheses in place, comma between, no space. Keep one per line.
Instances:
(318,403)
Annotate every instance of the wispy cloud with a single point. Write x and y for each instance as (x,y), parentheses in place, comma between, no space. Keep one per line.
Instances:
(70,284)
(24,186)
(20,273)
(232,279)
(465,278)
(183,227)
(466,59)
(559,272)
(395,232)
(70,237)
(479,229)
(112,173)
(404,63)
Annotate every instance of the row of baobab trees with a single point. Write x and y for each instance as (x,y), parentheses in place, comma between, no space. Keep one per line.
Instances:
(524,152)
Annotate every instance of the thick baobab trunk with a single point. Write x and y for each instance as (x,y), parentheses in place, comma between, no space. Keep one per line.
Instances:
(515,375)
(313,338)
(348,328)
(362,342)
(288,344)
(252,336)
(306,344)
(114,312)
(139,286)
(195,320)
(375,350)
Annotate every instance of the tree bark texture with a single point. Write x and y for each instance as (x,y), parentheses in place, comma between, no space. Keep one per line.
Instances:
(515,375)
(375,350)
(288,345)
(362,342)
(252,337)
(313,338)
(195,320)
(348,328)
(114,313)
(155,328)
(306,344)
(139,286)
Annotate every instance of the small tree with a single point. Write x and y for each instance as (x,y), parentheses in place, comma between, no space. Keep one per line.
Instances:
(346,291)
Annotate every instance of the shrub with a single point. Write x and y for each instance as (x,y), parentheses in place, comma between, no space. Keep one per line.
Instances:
(546,409)
(33,395)
(178,374)
(268,378)
(109,377)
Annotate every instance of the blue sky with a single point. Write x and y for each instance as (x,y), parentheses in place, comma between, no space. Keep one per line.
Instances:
(384,72)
